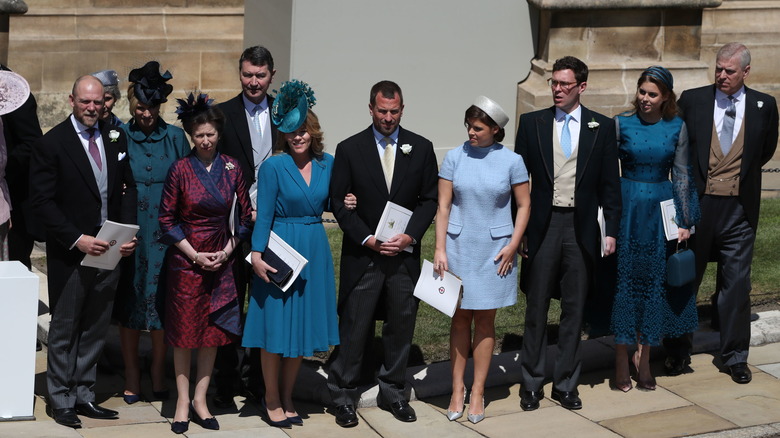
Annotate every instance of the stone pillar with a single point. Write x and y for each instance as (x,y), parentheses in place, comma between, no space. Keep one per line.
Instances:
(8,8)
(617,39)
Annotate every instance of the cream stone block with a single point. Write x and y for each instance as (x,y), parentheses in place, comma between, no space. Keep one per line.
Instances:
(220,70)
(219,45)
(430,423)
(43,26)
(765,354)
(61,69)
(128,25)
(28,65)
(185,67)
(688,420)
(217,3)
(151,44)
(203,26)
(138,3)
(110,428)
(549,422)
(61,4)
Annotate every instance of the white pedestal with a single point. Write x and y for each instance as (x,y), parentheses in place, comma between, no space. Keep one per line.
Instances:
(18,326)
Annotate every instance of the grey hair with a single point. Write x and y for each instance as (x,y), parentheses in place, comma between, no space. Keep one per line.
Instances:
(731,50)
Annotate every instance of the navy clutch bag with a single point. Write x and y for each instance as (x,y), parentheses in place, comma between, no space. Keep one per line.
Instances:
(681,267)
(283,270)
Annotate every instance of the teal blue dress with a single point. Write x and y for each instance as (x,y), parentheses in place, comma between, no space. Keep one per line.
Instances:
(644,304)
(302,320)
(140,296)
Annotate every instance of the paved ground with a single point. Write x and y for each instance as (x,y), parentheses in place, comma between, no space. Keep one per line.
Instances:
(702,403)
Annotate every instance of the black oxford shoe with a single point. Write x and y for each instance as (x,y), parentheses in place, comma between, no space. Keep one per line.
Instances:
(529,400)
(66,417)
(402,411)
(346,416)
(568,399)
(674,366)
(93,410)
(740,373)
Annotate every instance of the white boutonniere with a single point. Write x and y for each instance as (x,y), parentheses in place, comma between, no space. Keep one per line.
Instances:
(760,104)
(406,149)
(113,135)
(229,166)
(121,156)
(593,124)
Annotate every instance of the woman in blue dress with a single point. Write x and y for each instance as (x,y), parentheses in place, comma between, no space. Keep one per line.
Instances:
(152,146)
(292,193)
(652,142)
(476,241)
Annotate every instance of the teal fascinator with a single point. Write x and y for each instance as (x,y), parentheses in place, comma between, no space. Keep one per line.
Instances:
(291,104)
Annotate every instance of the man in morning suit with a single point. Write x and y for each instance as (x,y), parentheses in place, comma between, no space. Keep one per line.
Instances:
(384,162)
(732,131)
(80,177)
(571,156)
(249,137)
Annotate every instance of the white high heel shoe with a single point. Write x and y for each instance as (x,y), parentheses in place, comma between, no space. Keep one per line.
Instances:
(476,418)
(452,416)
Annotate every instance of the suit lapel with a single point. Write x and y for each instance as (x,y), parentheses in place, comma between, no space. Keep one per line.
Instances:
(368,151)
(704,125)
(112,155)
(74,149)
(401,162)
(295,174)
(750,123)
(237,115)
(587,142)
(544,135)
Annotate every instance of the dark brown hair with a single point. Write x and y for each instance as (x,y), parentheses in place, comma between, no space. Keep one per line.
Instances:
(668,108)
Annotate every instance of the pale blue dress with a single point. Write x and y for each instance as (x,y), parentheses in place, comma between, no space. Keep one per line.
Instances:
(480,221)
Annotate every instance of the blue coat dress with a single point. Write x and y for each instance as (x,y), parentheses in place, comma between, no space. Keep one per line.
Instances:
(480,222)
(139,303)
(303,319)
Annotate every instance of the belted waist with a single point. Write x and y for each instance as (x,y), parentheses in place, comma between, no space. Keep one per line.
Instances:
(306,220)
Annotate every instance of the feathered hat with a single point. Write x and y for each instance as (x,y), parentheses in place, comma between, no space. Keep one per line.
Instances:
(291,104)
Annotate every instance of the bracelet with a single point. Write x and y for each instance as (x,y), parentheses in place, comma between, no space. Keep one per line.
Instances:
(226,254)
(195,260)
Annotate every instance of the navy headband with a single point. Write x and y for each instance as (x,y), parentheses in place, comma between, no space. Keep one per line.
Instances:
(660,74)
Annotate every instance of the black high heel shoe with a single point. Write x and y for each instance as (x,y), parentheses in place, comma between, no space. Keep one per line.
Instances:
(284,424)
(206,423)
(179,427)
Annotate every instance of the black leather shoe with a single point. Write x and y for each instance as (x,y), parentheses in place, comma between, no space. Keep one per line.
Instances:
(401,410)
(740,373)
(179,427)
(674,366)
(66,417)
(529,400)
(346,416)
(210,423)
(568,399)
(93,410)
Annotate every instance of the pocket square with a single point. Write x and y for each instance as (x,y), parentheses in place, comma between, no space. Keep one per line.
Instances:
(121,156)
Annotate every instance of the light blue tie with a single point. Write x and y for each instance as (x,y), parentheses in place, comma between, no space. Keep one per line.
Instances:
(727,130)
(566,137)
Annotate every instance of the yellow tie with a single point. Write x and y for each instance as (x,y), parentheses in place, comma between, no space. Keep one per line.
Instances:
(387,161)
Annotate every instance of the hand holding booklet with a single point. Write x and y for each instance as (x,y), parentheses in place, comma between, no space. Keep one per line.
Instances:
(284,258)
(393,221)
(442,293)
(116,235)
(669,219)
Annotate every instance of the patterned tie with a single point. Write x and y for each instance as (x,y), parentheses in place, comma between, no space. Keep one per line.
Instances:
(566,137)
(387,161)
(256,120)
(727,130)
(93,148)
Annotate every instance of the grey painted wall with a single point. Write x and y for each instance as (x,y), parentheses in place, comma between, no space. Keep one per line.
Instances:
(443,53)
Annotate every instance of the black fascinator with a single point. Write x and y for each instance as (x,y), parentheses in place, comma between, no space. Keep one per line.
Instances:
(151,87)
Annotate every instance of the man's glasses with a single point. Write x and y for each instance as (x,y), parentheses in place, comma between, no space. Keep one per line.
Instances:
(565,86)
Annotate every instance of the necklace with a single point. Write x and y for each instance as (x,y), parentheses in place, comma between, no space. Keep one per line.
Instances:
(206,163)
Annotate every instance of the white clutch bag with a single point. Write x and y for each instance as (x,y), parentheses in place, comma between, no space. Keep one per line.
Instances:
(441,293)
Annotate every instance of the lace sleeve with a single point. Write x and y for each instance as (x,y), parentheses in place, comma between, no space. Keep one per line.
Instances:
(686,200)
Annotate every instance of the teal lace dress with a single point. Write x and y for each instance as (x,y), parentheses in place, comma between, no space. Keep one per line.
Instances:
(644,304)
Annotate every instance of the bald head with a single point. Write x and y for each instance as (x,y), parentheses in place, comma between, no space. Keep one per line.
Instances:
(86,99)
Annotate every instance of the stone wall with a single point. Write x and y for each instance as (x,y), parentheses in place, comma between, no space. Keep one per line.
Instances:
(199,41)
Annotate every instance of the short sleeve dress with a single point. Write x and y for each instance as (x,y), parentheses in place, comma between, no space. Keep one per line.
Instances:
(480,222)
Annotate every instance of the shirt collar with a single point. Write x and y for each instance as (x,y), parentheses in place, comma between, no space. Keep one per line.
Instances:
(250,106)
(719,95)
(80,127)
(378,136)
(576,115)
